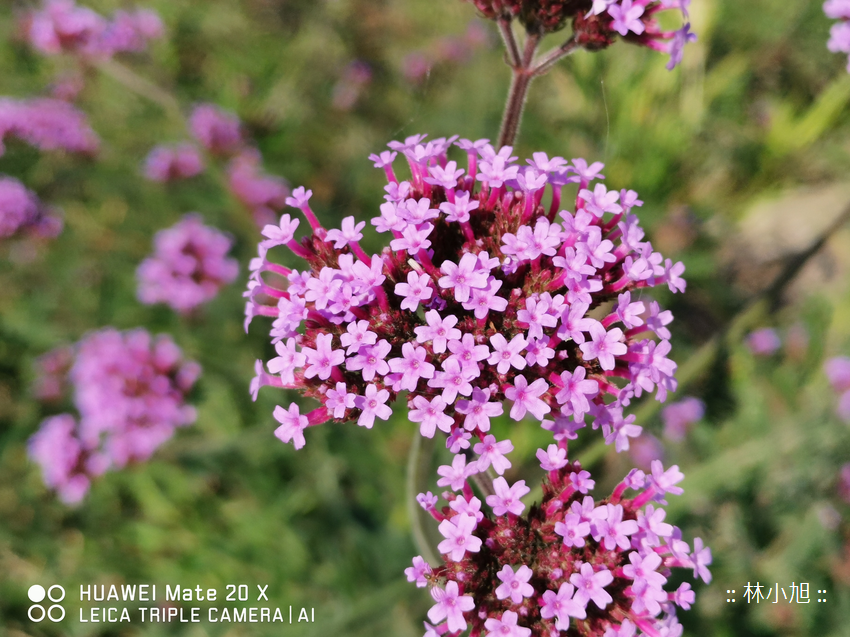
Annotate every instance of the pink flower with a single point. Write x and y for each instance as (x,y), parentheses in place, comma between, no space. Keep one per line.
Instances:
(605,345)
(451,605)
(292,425)
(492,452)
(459,538)
(590,586)
(414,291)
(478,410)
(553,458)
(287,361)
(411,367)
(455,476)
(627,17)
(462,276)
(371,360)
(506,355)
(323,359)
(168,163)
(514,585)
(431,415)
(507,499)
(526,398)
(419,572)
(506,626)
(373,405)
(439,331)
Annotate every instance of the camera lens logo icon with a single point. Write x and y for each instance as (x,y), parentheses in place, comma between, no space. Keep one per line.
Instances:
(55,594)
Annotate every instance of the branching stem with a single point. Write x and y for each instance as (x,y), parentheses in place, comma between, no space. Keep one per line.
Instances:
(525,67)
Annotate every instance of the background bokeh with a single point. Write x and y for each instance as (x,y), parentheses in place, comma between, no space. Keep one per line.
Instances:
(741,156)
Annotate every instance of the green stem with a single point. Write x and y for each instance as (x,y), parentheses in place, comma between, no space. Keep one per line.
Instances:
(418,476)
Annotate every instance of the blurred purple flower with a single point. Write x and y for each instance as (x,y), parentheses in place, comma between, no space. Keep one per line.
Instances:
(217,130)
(839,34)
(189,266)
(47,124)
(644,449)
(763,342)
(679,416)
(129,389)
(168,163)
(262,194)
(354,79)
(21,212)
(61,26)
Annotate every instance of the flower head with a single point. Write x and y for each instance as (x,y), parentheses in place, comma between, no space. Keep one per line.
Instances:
(496,307)
(189,266)
(568,564)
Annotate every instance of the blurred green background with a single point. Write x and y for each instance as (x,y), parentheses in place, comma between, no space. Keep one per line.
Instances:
(741,156)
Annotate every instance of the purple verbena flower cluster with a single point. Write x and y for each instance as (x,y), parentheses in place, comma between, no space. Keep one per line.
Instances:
(481,297)
(839,34)
(764,341)
(130,390)
(21,212)
(838,371)
(189,266)
(169,163)
(217,130)
(570,565)
(679,416)
(597,23)
(47,124)
(260,193)
(61,26)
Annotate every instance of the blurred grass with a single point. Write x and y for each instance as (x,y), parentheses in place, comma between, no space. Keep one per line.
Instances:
(759,106)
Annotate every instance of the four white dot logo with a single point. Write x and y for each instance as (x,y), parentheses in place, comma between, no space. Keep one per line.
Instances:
(55,594)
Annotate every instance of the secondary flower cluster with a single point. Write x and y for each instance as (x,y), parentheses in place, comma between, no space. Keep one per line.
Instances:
(169,163)
(678,417)
(569,565)
(480,297)
(61,26)
(839,34)
(763,342)
(838,372)
(47,124)
(189,266)
(21,212)
(129,389)
(597,23)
